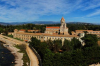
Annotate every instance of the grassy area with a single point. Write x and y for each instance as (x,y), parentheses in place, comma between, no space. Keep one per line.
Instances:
(18,39)
(25,56)
(10,36)
(14,38)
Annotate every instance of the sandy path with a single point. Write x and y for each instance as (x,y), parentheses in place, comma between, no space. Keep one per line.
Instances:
(32,56)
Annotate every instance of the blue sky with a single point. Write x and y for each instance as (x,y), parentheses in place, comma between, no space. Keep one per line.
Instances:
(50,10)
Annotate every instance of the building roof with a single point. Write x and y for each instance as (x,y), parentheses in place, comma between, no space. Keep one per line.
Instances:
(29,30)
(72,32)
(53,27)
(63,19)
(22,30)
(48,34)
(94,31)
(29,33)
(33,30)
(60,35)
(83,30)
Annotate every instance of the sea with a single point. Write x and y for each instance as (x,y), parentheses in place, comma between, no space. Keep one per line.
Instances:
(6,58)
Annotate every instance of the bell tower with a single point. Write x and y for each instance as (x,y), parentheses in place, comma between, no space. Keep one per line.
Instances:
(63,28)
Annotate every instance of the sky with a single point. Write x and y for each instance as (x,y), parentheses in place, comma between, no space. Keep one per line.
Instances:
(50,10)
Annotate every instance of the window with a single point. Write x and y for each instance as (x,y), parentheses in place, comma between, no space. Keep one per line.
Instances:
(47,37)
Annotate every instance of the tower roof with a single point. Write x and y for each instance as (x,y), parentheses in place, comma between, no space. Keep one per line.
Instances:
(63,19)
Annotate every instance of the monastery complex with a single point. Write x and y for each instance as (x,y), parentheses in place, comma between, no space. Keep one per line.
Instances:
(53,33)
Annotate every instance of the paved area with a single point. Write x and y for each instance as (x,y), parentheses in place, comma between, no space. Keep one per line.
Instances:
(19,62)
(32,56)
(95,64)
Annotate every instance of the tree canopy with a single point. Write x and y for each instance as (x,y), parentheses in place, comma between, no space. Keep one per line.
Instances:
(73,53)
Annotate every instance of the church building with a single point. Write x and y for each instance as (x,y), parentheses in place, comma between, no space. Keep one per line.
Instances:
(51,33)
(62,30)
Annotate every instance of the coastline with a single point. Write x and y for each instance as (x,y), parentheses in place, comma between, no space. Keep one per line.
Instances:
(16,54)
(32,58)
(8,51)
(16,57)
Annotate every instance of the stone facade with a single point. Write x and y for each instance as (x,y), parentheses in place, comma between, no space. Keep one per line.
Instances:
(58,30)
(52,30)
(77,32)
(51,33)
(63,28)
(43,36)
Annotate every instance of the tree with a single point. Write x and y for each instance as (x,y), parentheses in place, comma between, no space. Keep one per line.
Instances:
(6,31)
(48,58)
(76,43)
(34,28)
(50,44)
(85,32)
(1,30)
(67,46)
(90,40)
(57,45)
(35,43)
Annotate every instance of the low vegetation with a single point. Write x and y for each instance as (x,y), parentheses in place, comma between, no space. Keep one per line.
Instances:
(72,27)
(25,56)
(18,39)
(10,36)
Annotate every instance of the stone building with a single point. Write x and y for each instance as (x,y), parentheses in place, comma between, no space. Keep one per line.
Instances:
(63,28)
(52,29)
(51,32)
(77,32)
(58,30)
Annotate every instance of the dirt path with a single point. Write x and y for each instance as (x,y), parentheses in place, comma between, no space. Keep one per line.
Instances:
(32,56)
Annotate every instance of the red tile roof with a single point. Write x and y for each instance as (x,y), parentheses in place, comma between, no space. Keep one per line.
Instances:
(83,30)
(48,34)
(29,30)
(53,27)
(63,19)
(22,30)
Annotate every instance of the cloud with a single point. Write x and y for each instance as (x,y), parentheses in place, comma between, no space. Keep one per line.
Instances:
(30,10)
(21,10)
(91,4)
(97,12)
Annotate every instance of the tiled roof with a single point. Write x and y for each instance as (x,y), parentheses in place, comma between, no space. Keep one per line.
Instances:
(47,34)
(63,19)
(83,30)
(22,30)
(33,30)
(94,31)
(72,32)
(52,27)
(29,30)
